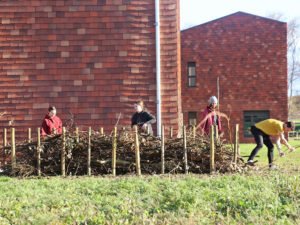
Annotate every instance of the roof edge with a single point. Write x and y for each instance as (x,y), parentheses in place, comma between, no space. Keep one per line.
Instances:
(232,14)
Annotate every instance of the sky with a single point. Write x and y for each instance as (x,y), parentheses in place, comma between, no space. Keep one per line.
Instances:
(195,12)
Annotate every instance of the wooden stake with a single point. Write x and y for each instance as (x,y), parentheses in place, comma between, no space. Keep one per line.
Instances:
(38,150)
(29,135)
(114,152)
(89,152)
(137,151)
(77,134)
(185,151)
(101,131)
(13,149)
(236,144)
(63,153)
(148,129)
(194,132)
(216,127)
(162,149)
(212,149)
(171,132)
(4,145)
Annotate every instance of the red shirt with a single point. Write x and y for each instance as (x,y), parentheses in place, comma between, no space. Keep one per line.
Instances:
(209,121)
(50,123)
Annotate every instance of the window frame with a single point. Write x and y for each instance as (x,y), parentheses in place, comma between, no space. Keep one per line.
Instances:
(189,76)
(255,117)
(194,113)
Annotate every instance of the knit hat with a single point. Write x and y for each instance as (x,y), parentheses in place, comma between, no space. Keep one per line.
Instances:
(213,99)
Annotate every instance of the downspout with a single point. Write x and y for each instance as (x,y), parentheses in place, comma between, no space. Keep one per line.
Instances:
(158,80)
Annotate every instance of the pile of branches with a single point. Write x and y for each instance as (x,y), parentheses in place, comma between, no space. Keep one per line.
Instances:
(198,154)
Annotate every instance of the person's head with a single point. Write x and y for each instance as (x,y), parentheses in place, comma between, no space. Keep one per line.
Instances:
(213,102)
(290,126)
(52,111)
(139,106)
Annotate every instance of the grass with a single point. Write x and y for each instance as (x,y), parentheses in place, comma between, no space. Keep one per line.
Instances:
(231,199)
(289,163)
(254,197)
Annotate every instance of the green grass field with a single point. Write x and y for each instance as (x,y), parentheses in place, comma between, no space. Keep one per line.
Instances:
(253,197)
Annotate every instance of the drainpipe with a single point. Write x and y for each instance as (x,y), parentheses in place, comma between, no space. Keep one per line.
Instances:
(158,92)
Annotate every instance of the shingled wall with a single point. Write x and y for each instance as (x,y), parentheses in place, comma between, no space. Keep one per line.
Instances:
(92,59)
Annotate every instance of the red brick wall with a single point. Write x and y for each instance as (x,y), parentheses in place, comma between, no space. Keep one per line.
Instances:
(248,53)
(92,59)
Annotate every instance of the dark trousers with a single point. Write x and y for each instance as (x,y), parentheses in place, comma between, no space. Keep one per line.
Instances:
(260,139)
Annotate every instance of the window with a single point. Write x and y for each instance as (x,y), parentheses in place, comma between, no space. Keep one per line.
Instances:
(191,74)
(192,117)
(252,117)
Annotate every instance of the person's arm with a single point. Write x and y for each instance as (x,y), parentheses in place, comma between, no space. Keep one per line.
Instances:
(285,142)
(150,119)
(278,145)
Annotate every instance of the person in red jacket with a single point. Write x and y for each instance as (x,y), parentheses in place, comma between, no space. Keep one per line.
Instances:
(210,116)
(50,122)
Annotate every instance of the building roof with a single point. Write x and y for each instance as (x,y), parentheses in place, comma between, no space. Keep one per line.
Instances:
(239,13)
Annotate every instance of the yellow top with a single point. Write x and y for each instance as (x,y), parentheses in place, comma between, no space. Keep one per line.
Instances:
(270,126)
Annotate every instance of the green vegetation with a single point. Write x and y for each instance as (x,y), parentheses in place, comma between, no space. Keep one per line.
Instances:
(289,163)
(254,197)
(232,199)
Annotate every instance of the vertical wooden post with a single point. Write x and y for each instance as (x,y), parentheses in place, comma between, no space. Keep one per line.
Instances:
(114,152)
(194,131)
(89,152)
(236,144)
(29,135)
(38,151)
(13,149)
(63,153)
(185,151)
(77,134)
(148,129)
(212,149)
(4,145)
(123,129)
(101,131)
(171,132)
(216,127)
(137,151)
(162,149)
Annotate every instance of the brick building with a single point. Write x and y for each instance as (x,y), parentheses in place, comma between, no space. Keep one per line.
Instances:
(248,55)
(92,59)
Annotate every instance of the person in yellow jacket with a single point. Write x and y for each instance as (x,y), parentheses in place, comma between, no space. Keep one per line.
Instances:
(263,130)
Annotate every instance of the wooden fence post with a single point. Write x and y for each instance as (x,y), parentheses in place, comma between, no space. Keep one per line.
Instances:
(236,144)
(38,150)
(101,131)
(162,149)
(137,151)
(212,149)
(77,134)
(89,152)
(216,130)
(29,135)
(63,153)
(194,132)
(4,146)
(114,152)
(185,151)
(171,132)
(13,149)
